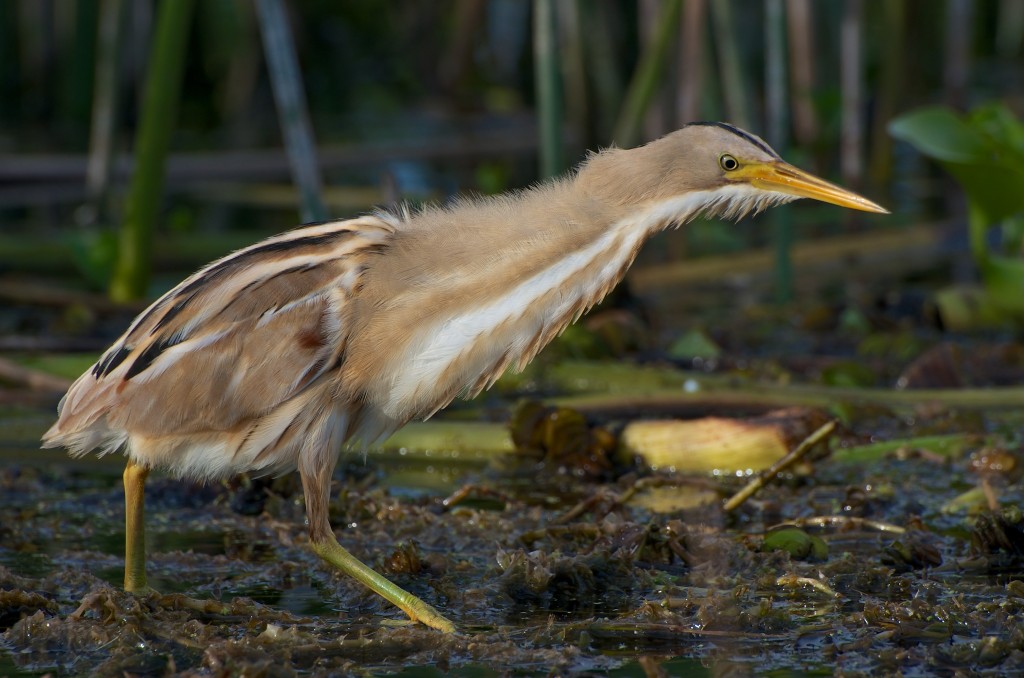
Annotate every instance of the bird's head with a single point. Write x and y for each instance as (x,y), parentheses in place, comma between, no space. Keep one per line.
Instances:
(709,168)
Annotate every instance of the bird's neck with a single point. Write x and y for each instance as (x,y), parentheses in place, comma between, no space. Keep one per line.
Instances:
(468,291)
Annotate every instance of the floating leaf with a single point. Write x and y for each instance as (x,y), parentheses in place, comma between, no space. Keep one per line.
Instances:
(694,344)
(848,373)
(796,543)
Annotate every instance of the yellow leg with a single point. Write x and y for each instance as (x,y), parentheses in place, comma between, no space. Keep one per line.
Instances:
(135,528)
(334,553)
(316,484)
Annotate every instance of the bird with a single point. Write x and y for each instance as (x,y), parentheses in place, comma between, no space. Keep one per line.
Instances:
(333,335)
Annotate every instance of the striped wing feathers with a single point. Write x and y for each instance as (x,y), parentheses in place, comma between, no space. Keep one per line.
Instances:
(229,345)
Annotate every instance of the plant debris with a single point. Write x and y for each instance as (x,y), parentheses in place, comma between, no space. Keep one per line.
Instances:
(543,572)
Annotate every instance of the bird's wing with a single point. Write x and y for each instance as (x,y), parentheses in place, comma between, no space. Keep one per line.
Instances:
(229,345)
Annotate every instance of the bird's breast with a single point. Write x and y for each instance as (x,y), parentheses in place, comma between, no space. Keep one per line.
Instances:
(467,335)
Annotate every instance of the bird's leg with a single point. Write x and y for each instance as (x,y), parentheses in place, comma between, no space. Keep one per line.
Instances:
(135,528)
(316,484)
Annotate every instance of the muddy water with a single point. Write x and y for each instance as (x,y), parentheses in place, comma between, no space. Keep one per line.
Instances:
(614,589)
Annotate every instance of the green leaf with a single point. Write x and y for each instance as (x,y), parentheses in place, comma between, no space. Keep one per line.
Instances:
(951,446)
(964,308)
(94,253)
(999,123)
(1013,234)
(996,190)
(984,152)
(797,543)
(848,373)
(939,133)
(694,344)
(1004,281)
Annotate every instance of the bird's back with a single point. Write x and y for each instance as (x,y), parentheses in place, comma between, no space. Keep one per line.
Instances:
(230,369)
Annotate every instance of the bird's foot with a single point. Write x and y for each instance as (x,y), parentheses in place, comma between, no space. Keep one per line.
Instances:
(428,616)
(419,611)
(143,591)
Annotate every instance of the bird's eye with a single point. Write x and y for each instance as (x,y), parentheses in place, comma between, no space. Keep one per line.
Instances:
(728,162)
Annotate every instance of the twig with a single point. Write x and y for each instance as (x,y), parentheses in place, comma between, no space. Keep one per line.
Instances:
(587,504)
(778,467)
(991,495)
(471,489)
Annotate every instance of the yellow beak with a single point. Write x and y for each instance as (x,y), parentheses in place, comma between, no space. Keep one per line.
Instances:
(784,178)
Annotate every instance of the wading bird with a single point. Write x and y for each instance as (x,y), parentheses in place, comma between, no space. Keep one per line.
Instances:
(334,334)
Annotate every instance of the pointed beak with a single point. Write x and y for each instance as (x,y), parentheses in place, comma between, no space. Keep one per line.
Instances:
(784,178)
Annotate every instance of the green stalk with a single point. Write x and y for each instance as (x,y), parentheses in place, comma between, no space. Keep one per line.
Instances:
(892,68)
(977,230)
(577,98)
(159,110)
(603,63)
(77,69)
(737,107)
(782,233)
(647,77)
(775,106)
(548,85)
